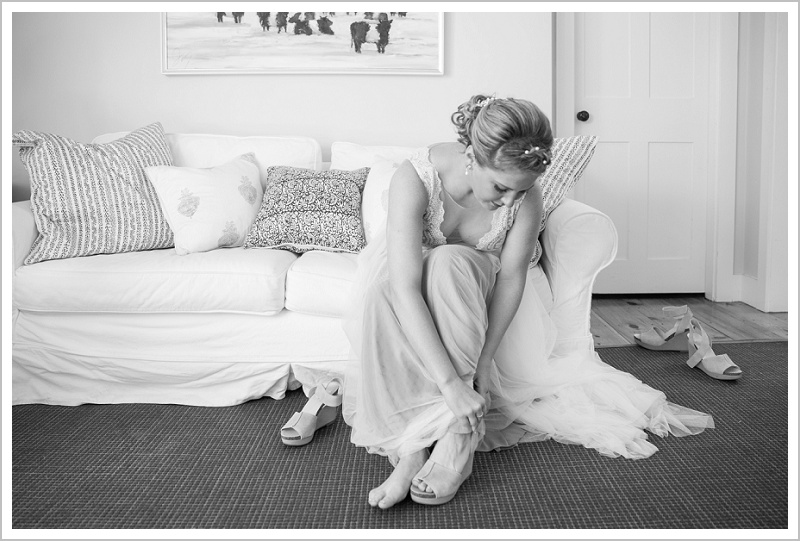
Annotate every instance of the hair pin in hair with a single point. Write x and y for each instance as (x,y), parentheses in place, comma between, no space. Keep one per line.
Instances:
(545,159)
(486,101)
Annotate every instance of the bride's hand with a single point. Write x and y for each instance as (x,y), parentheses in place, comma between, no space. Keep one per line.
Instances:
(464,402)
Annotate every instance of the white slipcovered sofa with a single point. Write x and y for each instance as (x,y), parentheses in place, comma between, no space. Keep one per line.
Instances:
(222,327)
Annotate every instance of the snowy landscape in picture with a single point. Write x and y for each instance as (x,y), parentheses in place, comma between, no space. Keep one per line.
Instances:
(199,43)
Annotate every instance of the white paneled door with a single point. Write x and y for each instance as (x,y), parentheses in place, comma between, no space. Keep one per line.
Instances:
(639,81)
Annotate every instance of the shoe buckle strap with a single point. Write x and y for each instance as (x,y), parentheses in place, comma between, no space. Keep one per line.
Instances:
(685,321)
(676,311)
(702,345)
(328,399)
(682,315)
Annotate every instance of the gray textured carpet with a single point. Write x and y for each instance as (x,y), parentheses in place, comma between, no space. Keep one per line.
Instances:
(168,466)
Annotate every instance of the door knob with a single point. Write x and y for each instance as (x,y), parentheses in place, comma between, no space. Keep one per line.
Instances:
(583,116)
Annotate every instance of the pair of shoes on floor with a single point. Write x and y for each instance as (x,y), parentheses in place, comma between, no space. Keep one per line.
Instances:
(320,410)
(688,335)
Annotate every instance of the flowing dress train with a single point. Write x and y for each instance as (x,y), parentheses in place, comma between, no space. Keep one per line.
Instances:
(395,408)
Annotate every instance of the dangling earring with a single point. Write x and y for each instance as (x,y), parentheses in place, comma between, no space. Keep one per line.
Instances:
(468,169)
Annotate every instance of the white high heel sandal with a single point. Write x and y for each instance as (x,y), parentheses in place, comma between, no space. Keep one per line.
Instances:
(673,340)
(320,410)
(704,358)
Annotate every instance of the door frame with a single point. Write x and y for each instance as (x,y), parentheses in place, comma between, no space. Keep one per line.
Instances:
(721,284)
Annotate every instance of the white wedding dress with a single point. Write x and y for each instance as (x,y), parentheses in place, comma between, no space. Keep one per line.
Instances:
(395,408)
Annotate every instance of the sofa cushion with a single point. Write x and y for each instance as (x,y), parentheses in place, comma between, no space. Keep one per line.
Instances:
(209,207)
(307,210)
(94,198)
(203,150)
(318,283)
(232,280)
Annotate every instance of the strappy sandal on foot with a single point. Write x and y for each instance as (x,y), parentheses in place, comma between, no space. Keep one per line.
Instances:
(320,410)
(673,340)
(444,481)
(704,358)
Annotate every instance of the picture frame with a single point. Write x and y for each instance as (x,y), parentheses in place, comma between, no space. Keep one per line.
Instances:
(394,43)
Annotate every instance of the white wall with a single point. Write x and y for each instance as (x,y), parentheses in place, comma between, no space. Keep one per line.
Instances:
(749,141)
(83,74)
(762,183)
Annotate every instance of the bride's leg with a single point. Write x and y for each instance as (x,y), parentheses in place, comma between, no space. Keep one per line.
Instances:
(458,281)
(379,412)
(395,488)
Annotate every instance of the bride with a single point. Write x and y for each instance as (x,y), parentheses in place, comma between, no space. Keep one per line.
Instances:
(453,354)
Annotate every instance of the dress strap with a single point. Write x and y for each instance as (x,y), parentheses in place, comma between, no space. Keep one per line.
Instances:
(434,214)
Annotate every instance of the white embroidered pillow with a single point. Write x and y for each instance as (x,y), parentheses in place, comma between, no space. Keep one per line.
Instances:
(94,198)
(209,208)
(570,155)
(307,210)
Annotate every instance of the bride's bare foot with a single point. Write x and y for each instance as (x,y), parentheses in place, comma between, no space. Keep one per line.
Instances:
(452,451)
(395,488)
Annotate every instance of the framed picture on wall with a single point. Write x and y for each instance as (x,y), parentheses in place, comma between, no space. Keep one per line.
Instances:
(302,42)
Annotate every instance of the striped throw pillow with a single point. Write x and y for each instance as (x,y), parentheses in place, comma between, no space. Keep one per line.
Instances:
(571,155)
(95,198)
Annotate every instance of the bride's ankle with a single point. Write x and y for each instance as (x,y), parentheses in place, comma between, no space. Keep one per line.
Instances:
(453,449)
(414,460)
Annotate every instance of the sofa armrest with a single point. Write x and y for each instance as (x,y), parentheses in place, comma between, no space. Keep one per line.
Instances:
(578,242)
(23,229)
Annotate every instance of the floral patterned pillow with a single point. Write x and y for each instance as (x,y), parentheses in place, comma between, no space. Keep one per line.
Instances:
(209,208)
(305,209)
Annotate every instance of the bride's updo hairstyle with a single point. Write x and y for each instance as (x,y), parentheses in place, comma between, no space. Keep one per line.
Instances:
(505,133)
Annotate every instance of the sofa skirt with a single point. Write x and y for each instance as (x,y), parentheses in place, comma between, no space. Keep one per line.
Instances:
(197,359)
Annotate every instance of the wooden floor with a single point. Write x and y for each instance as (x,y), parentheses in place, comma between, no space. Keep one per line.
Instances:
(615,318)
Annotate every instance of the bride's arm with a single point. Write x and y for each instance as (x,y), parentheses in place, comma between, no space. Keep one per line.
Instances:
(408,201)
(510,284)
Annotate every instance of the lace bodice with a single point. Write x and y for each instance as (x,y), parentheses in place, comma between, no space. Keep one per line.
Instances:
(432,236)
